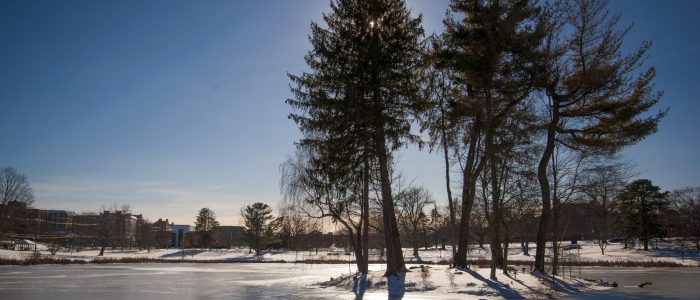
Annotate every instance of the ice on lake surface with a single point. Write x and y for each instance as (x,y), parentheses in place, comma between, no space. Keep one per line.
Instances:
(269,280)
(667,283)
(168,281)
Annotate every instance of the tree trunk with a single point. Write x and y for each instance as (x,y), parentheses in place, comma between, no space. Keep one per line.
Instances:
(555,225)
(496,251)
(645,231)
(394,256)
(450,205)
(365,219)
(524,243)
(357,246)
(604,230)
(505,253)
(543,226)
(495,219)
(468,193)
(555,238)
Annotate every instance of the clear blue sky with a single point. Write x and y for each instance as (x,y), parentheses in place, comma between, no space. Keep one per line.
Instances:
(171,106)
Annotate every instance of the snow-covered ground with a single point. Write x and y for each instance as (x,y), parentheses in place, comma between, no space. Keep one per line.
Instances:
(443,282)
(323,281)
(273,280)
(666,252)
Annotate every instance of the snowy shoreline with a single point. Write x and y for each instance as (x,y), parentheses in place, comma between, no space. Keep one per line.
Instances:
(667,255)
(48,260)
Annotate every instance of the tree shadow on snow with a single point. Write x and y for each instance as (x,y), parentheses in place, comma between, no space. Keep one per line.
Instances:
(246,258)
(559,285)
(503,289)
(522,283)
(185,252)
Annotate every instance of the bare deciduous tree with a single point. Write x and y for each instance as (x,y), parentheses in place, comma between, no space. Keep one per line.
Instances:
(295,227)
(687,202)
(411,203)
(601,183)
(14,188)
(343,200)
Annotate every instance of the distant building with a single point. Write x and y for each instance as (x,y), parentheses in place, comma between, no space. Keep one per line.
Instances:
(24,245)
(18,219)
(55,222)
(22,221)
(162,233)
(121,229)
(178,236)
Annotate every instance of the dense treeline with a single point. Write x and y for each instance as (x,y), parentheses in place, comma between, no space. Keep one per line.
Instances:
(527,99)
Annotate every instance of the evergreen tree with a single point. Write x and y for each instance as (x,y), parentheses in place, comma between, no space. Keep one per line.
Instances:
(640,204)
(491,48)
(204,224)
(596,96)
(355,104)
(261,226)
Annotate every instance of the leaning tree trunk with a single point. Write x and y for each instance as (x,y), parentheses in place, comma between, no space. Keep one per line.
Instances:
(543,227)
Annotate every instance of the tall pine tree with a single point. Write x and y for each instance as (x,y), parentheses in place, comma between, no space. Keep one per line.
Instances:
(596,96)
(204,224)
(355,103)
(260,226)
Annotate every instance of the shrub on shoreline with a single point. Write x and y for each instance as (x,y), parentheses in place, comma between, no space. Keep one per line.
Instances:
(47,260)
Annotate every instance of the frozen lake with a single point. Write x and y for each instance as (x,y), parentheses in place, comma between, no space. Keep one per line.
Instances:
(667,283)
(167,281)
(265,280)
